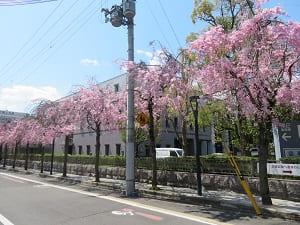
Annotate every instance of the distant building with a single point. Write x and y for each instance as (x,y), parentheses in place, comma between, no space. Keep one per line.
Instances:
(6,115)
(83,141)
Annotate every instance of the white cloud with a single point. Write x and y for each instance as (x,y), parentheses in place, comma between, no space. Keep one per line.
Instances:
(149,54)
(20,98)
(87,62)
(153,58)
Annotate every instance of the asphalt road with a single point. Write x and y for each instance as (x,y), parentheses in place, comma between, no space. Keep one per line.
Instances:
(30,200)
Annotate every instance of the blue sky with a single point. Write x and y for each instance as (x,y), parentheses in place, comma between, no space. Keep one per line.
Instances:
(46,55)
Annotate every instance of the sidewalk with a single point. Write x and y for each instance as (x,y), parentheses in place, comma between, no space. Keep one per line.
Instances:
(280,208)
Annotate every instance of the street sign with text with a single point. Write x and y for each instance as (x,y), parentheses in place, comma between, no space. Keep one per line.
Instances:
(283,169)
(289,138)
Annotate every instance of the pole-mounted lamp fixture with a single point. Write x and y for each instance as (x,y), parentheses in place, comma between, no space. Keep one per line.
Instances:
(120,14)
(194,105)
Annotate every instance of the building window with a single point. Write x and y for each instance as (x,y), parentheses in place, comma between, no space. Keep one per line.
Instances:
(80,149)
(175,122)
(167,123)
(118,149)
(116,87)
(106,149)
(191,127)
(88,149)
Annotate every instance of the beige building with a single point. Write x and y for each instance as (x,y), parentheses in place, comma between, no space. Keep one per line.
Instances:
(84,141)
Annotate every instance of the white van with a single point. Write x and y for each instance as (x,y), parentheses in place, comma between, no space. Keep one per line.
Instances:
(254,151)
(168,152)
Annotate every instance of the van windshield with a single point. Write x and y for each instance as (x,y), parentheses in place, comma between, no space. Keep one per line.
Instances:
(179,152)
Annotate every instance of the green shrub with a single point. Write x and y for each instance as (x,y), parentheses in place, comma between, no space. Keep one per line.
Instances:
(210,163)
(291,160)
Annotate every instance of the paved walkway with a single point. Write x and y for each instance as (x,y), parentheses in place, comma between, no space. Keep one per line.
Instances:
(280,208)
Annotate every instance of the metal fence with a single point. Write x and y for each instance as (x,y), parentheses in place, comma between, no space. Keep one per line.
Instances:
(218,165)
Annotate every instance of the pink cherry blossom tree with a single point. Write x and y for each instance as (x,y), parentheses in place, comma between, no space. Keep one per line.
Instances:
(100,109)
(255,66)
(37,134)
(4,129)
(177,97)
(28,124)
(59,119)
(15,136)
(150,91)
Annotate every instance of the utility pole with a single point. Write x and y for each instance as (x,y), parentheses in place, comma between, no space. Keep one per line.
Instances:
(123,15)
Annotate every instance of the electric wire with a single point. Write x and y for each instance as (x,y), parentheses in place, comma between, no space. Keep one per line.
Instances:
(62,44)
(170,24)
(47,31)
(158,25)
(24,2)
(14,58)
(52,43)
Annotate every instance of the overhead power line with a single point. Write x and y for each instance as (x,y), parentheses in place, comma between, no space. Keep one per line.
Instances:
(51,44)
(158,25)
(14,58)
(170,24)
(63,43)
(22,2)
(42,36)
(55,44)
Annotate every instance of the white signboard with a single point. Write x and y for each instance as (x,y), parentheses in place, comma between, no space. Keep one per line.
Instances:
(283,169)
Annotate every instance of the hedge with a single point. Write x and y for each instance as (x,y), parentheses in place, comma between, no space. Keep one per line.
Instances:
(210,163)
(291,160)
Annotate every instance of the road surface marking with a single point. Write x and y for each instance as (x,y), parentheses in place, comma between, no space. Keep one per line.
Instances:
(128,202)
(122,213)
(5,221)
(146,215)
(41,186)
(12,179)
(152,217)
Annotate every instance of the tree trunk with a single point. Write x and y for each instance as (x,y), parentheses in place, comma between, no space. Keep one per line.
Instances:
(97,173)
(263,159)
(152,144)
(66,156)
(52,156)
(42,157)
(1,152)
(26,156)
(5,156)
(15,156)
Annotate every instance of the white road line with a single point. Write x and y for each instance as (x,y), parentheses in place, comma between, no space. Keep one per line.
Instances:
(128,202)
(18,181)
(41,186)
(5,221)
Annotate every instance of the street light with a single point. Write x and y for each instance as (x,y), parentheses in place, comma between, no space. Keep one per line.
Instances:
(194,99)
(123,15)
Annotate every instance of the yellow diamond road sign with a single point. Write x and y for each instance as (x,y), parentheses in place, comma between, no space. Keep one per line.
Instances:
(142,119)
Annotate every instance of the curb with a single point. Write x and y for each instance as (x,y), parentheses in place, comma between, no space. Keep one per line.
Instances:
(195,200)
